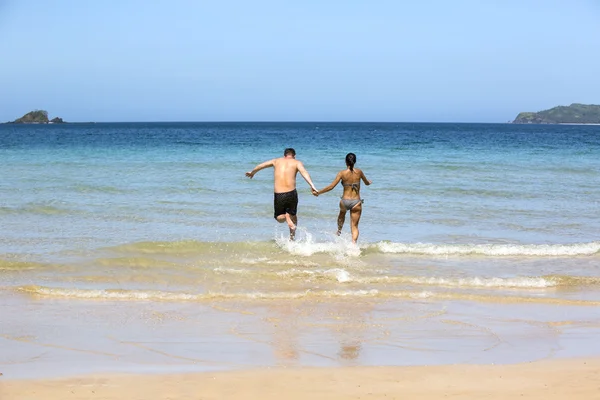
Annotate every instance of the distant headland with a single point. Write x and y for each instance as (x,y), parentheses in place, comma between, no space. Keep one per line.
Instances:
(574,114)
(37,117)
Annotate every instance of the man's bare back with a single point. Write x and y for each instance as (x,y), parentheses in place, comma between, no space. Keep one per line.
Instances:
(285,170)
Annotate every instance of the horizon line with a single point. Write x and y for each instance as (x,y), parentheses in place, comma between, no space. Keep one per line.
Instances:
(255,122)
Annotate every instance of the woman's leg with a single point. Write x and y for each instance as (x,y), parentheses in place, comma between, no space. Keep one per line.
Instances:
(341,218)
(355,213)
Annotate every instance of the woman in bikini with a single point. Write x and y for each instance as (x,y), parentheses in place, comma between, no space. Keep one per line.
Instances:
(351,200)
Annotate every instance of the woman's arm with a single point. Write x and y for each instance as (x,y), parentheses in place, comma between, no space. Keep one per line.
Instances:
(364,178)
(333,184)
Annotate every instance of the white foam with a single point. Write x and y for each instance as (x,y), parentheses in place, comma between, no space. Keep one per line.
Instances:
(293,262)
(236,271)
(140,295)
(341,275)
(306,246)
(354,293)
(421,295)
(153,295)
(338,274)
(541,250)
(524,282)
(253,261)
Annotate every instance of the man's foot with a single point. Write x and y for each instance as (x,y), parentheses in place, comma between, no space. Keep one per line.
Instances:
(293,233)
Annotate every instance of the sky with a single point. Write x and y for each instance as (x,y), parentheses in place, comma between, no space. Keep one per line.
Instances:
(310,60)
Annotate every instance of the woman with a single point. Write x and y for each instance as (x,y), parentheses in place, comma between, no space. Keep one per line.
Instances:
(351,200)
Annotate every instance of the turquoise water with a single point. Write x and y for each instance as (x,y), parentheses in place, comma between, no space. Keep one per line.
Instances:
(110,184)
(145,247)
(459,205)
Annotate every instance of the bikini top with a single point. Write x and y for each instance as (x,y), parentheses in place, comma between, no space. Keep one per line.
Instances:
(354,185)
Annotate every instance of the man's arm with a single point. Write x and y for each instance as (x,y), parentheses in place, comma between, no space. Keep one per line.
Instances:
(333,184)
(306,177)
(264,165)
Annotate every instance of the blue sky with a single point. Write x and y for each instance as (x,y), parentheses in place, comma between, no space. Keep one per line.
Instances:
(279,60)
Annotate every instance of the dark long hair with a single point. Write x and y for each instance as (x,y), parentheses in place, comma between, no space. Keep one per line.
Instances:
(351,160)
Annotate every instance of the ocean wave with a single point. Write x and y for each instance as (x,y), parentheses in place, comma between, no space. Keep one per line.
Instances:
(158,295)
(495,250)
(194,247)
(233,271)
(88,188)
(163,296)
(11,265)
(337,274)
(341,275)
(256,252)
(134,262)
(37,209)
(548,281)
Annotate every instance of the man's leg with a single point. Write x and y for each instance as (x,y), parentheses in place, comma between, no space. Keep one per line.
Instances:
(291,220)
(289,202)
(292,223)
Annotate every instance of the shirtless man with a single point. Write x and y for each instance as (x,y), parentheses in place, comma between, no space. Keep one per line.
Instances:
(286,198)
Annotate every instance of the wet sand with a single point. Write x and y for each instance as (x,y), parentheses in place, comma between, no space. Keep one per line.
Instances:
(555,379)
(43,338)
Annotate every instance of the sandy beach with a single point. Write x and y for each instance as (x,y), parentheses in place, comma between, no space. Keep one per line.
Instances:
(555,379)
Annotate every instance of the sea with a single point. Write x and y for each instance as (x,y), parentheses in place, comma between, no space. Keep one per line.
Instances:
(143,247)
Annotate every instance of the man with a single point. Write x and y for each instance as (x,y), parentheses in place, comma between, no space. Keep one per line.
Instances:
(286,198)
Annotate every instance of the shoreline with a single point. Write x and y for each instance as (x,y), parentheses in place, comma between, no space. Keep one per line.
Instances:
(577,378)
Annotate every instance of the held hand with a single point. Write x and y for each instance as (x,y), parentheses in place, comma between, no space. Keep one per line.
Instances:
(250,174)
(315,192)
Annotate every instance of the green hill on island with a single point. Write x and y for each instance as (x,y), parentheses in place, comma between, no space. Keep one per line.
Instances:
(573,114)
(37,117)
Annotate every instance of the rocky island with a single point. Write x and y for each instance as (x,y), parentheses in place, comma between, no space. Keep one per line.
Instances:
(574,114)
(37,117)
